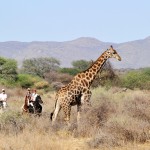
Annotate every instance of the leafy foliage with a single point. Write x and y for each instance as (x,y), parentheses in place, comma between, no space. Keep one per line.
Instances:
(81,65)
(137,79)
(106,77)
(71,71)
(78,66)
(8,69)
(40,66)
(27,80)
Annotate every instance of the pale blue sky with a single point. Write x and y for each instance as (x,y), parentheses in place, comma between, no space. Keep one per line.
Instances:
(63,20)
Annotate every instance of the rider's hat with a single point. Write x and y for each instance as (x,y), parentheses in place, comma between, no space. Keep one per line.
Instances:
(3,90)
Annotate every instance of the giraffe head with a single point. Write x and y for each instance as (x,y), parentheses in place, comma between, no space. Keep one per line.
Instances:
(112,53)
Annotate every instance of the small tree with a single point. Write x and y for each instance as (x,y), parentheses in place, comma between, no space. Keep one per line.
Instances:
(71,71)
(81,65)
(8,69)
(40,66)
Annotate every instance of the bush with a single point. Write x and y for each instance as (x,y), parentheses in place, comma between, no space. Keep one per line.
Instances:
(41,85)
(12,122)
(40,66)
(52,77)
(137,79)
(70,71)
(8,71)
(25,80)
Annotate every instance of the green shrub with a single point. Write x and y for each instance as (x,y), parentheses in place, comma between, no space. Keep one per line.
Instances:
(25,80)
(71,71)
(137,79)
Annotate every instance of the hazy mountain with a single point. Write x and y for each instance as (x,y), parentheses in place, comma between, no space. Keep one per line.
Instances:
(135,54)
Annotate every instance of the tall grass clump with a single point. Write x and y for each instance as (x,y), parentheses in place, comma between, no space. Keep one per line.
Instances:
(127,120)
(12,122)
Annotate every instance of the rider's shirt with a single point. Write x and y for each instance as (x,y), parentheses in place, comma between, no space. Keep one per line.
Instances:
(3,96)
(34,95)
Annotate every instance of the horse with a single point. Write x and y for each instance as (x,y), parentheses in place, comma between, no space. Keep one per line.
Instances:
(25,105)
(35,106)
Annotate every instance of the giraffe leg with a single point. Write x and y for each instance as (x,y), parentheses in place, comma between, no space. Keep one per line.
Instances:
(85,99)
(78,113)
(67,110)
(56,111)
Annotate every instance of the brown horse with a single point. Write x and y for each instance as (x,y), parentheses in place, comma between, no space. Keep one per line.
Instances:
(25,105)
(32,107)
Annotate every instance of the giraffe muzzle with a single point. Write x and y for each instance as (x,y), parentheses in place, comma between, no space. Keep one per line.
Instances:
(118,57)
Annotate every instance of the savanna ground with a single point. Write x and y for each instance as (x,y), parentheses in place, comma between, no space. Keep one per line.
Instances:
(117,120)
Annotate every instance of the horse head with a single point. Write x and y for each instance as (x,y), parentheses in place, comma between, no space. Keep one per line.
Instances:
(38,99)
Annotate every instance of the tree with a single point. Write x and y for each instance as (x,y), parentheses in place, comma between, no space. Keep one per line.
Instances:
(81,65)
(40,66)
(71,71)
(8,69)
(105,76)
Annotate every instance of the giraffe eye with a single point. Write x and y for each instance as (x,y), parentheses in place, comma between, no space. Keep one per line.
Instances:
(114,52)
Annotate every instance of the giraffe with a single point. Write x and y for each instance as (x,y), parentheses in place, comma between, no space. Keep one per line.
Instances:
(77,92)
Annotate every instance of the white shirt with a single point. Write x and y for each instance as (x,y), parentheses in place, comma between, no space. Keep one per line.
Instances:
(34,95)
(3,96)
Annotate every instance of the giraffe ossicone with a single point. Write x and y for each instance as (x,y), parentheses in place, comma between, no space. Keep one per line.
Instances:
(77,92)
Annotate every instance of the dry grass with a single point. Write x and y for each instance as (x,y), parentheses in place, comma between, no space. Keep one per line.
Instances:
(117,120)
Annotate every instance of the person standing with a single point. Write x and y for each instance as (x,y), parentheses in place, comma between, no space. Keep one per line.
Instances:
(3,98)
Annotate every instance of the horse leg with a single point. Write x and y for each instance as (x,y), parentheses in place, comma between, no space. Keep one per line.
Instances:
(38,110)
(24,109)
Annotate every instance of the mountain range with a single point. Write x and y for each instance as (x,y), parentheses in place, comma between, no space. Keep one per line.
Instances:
(135,54)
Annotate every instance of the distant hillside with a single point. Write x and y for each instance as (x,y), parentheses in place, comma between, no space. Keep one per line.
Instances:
(135,54)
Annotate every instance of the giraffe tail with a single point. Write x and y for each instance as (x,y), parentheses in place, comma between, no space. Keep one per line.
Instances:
(51,115)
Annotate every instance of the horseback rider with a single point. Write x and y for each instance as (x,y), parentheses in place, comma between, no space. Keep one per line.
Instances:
(3,98)
(28,95)
(34,95)
(32,102)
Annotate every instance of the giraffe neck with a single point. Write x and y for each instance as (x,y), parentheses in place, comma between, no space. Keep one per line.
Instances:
(96,67)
